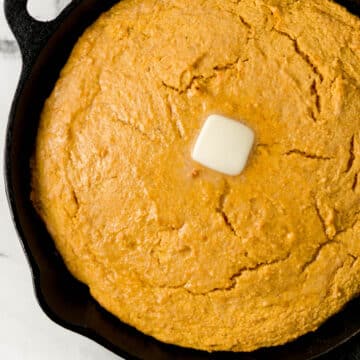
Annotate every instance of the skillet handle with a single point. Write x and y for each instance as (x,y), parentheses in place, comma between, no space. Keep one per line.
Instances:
(31,34)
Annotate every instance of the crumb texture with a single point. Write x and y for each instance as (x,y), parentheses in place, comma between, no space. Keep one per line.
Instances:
(185,254)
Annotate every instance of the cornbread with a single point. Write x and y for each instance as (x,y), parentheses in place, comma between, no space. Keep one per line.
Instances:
(183,253)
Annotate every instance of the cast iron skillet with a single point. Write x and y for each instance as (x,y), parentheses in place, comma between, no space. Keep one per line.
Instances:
(45,46)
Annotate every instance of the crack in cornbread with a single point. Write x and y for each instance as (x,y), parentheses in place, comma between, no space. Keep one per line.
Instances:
(185,254)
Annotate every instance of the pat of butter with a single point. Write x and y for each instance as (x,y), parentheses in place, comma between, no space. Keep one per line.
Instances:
(223,145)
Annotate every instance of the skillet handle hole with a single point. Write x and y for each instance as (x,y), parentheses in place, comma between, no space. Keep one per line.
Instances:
(49,12)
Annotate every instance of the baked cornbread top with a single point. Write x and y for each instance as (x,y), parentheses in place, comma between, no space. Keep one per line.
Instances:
(183,253)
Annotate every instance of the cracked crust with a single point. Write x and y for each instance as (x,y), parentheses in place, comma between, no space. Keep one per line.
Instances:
(183,253)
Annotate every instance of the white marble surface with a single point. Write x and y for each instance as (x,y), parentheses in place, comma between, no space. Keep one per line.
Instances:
(25,331)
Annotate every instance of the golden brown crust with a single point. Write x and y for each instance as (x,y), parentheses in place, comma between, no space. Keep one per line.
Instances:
(183,253)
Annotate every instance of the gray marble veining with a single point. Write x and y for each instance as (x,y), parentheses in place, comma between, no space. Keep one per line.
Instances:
(8,46)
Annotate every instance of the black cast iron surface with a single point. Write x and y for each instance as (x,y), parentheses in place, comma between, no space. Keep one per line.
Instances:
(45,46)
